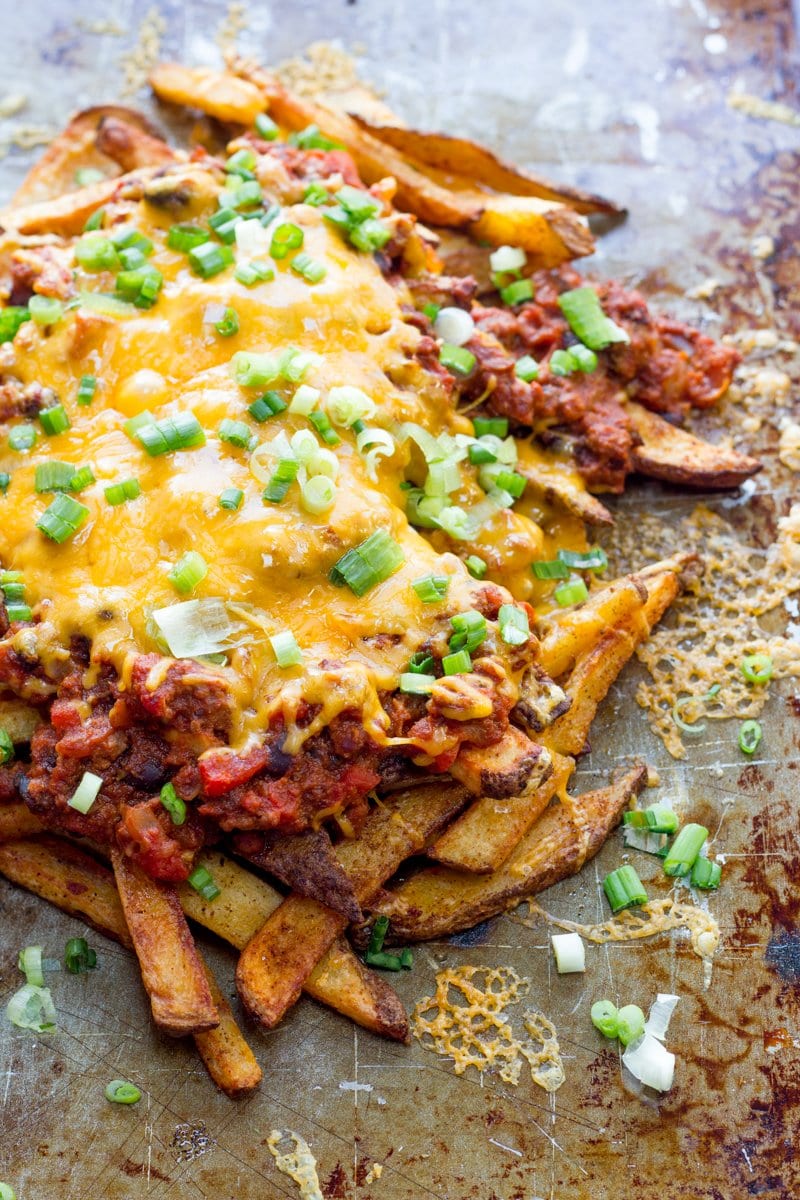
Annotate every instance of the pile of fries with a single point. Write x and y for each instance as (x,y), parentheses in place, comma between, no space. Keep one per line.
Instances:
(482,856)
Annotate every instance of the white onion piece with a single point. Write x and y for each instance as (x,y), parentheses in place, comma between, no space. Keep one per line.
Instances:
(32,1008)
(650,1062)
(212,313)
(660,1014)
(507,258)
(570,952)
(195,628)
(453,325)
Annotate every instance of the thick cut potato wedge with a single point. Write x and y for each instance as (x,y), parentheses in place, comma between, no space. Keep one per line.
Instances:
(676,455)
(484,836)
(17,821)
(70,879)
(339,979)
(131,146)
(306,863)
(276,963)
(227,1057)
(589,682)
(77,147)
(438,901)
(566,636)
(218,93)
(172,971)
(549,233)
(64,214)
(460,157)
(514,766)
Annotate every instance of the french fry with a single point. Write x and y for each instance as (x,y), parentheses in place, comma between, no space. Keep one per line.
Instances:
(483,837)
(131,146)
(17,821)
(306,863)
(438,901)
(509,768)
(20,720)
(217,93)
(70,879)
(565,636)
(276,963)
(75,148)
(64,214)
(172,972)
(666,452)
(550,233)
(227,1057)
(589,682)
(339,979)
(461,157)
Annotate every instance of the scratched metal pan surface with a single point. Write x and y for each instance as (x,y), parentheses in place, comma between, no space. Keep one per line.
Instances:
(628,99)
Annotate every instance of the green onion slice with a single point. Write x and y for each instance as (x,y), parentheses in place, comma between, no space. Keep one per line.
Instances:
(623,889)
(526,368)
(202,881)
(757,668)
(367,564)
(285,648)
(496,426)
(630,1023)
(54,420)
(517,292)
(476,566)
(126,489)
(605,1017)
(62,518)
(583,311)
(173,804)
(79,958)
(750,735)
(457,359)
(514,625)
(431,589)
(45,310)
(685,849)
(706,874)
(6,747)
(30,963)
(86,389)
(32,1008)
(574,592)
(679,705)
(231,498)
(458,663)
(190,569)
(120,1091)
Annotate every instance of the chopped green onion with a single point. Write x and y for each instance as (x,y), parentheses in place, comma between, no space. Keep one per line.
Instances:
(685,849)
(285,237)
(81,479)
(242,163)
(574,592)
(134,424)
(476,566)
(649,843)
(630,1023)
(583,311)
(420,663)
(181,432)
(750,735)
(202,881)
(517,292)
(348,405)
(11,318)
(286,650)
(119,1091)
(370,235)
(266,127)
(94,252)
(224,224)
(415,684)
(95,221)
(5,480)
(376,956)
(282,479)
(45,310)
(86,176)
(266,406)
(322,424)
(231,498)
(706,875)
(173,804)
(316,194)
(229,325)
(310,138)
(310,269)
(431,311)
(553,569)
(358,203)
(185,237)
(190,569)
(18,612)
(126,489)
(255,370)
(6,747)
(658,818)
(457,359)
(238,433)
(623,889)
(247,194)
(86,389)
(128,237)
(54,420)
(22,437)
(318,494)
(496,426)
(208,259)
(757,668)
(30,963)
(79,958)
(53,476)
(32,1008)
(561,362)
(697,726)
(526,368)
(592,560)
(304,400)
(585,359)
(605,1017)
(509,481)
(86,792)
(367,564)
(431,589)
(133,259)
(478,454)
(469,630)
(140,287)
(253,272)
(514,626)
(62,518)
(459,663)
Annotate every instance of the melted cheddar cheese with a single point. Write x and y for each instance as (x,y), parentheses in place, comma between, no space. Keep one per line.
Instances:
(269,563)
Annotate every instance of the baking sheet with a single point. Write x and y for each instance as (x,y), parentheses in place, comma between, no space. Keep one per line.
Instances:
(629,99)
